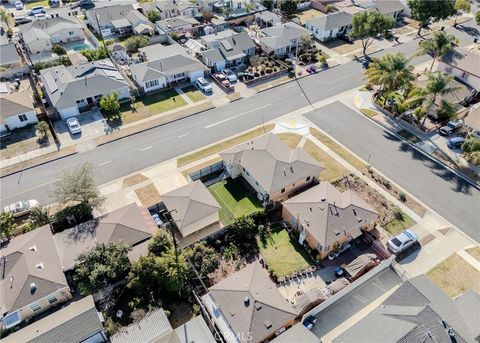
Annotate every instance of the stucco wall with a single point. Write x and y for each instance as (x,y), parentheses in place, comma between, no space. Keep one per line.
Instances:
(62,295)
(471,80)
(199,224)
(13,122)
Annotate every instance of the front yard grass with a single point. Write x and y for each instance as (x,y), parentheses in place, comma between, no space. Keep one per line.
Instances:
(283,255)
(475,252)
(338,149)
(455,276)
(32,4)
(235,199)
(369,112)
(223,145)
(333,170)
(291,139)
(399,224)
(193,93)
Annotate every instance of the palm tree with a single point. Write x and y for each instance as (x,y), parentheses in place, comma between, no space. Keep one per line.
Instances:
(438,84)
(438,45)
(391,72)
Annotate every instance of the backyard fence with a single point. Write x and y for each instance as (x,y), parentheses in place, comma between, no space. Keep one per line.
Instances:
(198,174)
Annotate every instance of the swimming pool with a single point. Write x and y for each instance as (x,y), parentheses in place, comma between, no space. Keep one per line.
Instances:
(81,47)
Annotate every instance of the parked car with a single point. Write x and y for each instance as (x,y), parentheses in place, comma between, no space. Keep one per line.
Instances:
(455,142)
(19,5)
(204,85)
(41,16)
(451,127)
(230,75)
(54,3)
(402,241)
(21,208)
(37,10)
(21,20)
(74,125)
(223,80)
(83,4)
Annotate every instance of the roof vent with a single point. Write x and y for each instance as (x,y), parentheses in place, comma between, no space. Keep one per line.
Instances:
(33,248)
(291,169)
(33,287)
(246,300)
(284,172)
(354,211)
(451,333)
(336,232)
(359,219)
(268,323)
(310,209)
(323,199)
(39,266)
(258,306)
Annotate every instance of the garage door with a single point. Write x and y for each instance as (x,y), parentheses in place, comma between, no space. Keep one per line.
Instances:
(195,75)
(69,112)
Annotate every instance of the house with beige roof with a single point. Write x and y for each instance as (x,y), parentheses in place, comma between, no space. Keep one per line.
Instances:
(326,217)
(131,224)
(17,111)
(248,307)
(31,277)
(193,209)
(464,65)
(271,167)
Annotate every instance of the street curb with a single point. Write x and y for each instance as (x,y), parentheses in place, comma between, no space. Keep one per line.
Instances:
(434,159)
(37,165)
(155,126)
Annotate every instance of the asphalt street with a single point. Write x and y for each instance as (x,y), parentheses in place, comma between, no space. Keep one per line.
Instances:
(162,143)
(434,185)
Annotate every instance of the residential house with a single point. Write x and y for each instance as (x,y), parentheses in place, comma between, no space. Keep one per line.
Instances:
(330,26)
(78,88)
(9,57)
(463,64)
(155,327)
(40,35)
(187,10)
(179,25)
(419,311)
(326,218)
(165,8)
(227,50)
(472,121)
(267,19)
(392,8)
(193,209)
(248,307)
(131,224)
(77,322)
(31,277)
(297,333)
(273,169)
(281,39)
(163,72)
(17,111)
(119,20)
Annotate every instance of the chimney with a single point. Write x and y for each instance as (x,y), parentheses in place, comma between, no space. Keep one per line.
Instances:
(246,301)
(33,287)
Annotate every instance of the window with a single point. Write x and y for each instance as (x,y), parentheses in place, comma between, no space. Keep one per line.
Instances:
(150,84)
(51,299)
(70,33)
(464,76)
(283,190)
(34,307)
(308,178)
(23,117)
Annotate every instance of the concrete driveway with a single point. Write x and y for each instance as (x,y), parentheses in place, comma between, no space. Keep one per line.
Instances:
(93,125)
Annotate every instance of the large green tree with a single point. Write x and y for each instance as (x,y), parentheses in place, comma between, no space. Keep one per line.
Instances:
(39,216)
(7,225)
(437,46)
(203,257)
(154,16)
(136,42)
(109,103)
(461,7)
(101,266)
(368,25)
(427,11)
(391,72)
(438,84)
(161,243)
(77,185)
(288,8)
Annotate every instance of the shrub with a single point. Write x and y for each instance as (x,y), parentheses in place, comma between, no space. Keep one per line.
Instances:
(402,196)
(99,53)
(59,61)
(136,42)
(474,158)
(58,49)
(471,144)
(268,70)
(42,128)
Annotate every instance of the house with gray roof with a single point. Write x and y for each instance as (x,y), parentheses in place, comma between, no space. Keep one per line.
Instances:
(281,39)
(9,57)
(297,333)
(326,218)
(392,8)
(163,72)
(180,25)
(419,311)
(77,322)
(193,208)
(31,277)
(271,167)
(131,224)
(78,88)
(155,327)
(165,8)
(40,35)
(227,49)
(267,19)
(119,20)
(330,26)
(17,111)
(248,307)
(463,64)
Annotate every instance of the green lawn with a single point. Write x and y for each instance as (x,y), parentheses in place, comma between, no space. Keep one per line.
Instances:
(235,199)
(398,225)
(162,101)
(31,4)
(333,170)
(193,93)
(283,255)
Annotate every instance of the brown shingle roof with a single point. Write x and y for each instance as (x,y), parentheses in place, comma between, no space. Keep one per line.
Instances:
(326,213)
(26,259)
(272,163)
(16,103)
(266,310)
(131,224)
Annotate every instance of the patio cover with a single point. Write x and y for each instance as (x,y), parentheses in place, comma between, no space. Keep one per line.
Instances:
(337,285)
(142,29)
(361,264)
(308,300)
(120,23)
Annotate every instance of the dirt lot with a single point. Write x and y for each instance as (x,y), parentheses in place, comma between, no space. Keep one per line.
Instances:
(22,141)
(309,14)
(455,276)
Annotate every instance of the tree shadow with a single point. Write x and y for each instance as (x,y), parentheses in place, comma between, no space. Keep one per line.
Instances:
(471,31)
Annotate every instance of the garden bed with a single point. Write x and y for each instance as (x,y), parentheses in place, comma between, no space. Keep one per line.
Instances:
(263,68)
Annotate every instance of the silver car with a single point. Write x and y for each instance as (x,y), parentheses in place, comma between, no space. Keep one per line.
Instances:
(21,208)
(74,125)
(402,241)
